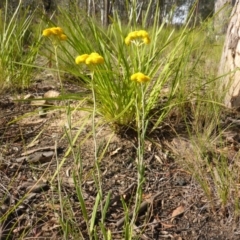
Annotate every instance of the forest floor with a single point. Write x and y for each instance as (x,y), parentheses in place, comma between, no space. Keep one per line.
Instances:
(32,145)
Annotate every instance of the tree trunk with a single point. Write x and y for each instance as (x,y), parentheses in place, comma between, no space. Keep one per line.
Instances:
(105,12)
(230,61)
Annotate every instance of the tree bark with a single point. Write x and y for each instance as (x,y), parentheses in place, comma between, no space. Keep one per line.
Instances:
(230,61)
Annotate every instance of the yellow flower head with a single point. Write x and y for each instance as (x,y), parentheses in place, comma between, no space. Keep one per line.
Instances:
(56,32)
(133,34)
(93,58)
(146,40)
(141,34)
(81,58)
(140,77)
(128,40)
(47,32)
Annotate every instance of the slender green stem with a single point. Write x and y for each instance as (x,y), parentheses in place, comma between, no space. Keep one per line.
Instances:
(57,65)
(140,150)
(138,56)
(95,141)
(143,121)
(93,117)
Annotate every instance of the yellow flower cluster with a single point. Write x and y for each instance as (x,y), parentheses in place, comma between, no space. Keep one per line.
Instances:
(140,77)
(56,32)
(142,34)
(93,58)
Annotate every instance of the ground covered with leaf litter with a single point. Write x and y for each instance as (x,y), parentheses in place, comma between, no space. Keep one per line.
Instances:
(32,145)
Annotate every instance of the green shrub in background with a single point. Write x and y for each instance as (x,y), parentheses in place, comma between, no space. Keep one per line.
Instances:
(18,46)
(115,92)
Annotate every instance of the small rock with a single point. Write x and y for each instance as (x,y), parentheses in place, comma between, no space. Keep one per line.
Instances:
(28,96)
(51,94)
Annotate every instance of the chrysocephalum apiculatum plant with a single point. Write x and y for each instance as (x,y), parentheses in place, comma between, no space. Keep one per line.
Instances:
(140,80)
(92,60)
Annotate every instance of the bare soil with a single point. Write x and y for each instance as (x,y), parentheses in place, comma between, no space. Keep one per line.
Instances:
(32,144)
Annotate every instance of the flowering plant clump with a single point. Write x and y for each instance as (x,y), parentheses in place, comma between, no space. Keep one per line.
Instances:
(142,34)
(140,77)
(93,58)
(56,32)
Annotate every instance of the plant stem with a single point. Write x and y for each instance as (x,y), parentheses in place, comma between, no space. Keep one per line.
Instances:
(57,65)
(140,151)
(93,118)
(95,141)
